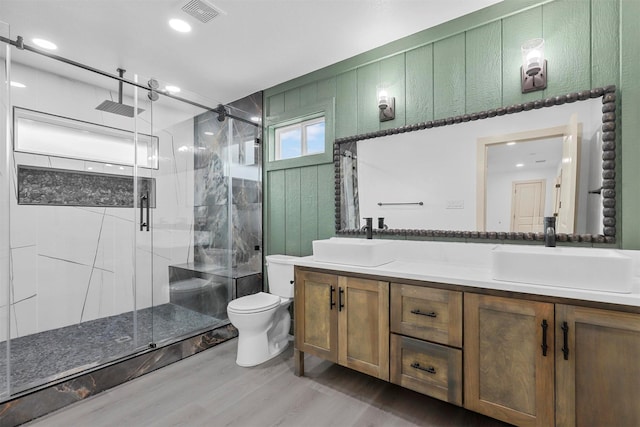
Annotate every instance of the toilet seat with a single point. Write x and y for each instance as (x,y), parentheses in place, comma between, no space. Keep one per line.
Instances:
(255,303)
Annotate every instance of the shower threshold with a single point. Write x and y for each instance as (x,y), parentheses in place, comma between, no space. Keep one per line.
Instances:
(48,356)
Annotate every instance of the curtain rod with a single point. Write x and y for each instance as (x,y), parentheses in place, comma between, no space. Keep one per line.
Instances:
(220,109)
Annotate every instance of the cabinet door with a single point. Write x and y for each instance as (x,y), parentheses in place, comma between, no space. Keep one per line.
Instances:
(316,314)
(507,376)
(597,367)
(363,326)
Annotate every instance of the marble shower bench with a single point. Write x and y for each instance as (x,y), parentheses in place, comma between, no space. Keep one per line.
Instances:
(207,288)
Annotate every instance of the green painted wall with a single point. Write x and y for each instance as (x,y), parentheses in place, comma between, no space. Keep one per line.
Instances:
(465,65)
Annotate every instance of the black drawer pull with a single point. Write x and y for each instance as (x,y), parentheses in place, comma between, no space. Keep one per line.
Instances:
(430,369)
(332,292)
(429,314)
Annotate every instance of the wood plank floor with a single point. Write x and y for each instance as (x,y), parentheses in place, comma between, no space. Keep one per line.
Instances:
(209,389)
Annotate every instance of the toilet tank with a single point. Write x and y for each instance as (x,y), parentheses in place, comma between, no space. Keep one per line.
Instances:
(280,274)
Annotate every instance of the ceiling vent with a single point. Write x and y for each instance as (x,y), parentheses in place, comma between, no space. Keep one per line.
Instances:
(202,11)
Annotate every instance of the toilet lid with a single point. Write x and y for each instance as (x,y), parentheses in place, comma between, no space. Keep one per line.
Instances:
(261,301)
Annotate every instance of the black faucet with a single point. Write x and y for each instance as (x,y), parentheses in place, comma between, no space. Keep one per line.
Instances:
(369,227)
(550,231)
(381,224)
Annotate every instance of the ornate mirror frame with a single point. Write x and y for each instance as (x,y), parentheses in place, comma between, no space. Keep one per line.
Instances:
(608,94)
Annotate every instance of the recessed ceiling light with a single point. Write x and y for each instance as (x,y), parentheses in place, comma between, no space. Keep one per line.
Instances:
(180,25)
(256,119)
(208,133)
(17,84)
(89,168)
(45,44)
(511,143)
(519,165)
(108,165)
(172,89)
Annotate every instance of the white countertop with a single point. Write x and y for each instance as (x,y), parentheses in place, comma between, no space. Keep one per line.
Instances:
(467,264)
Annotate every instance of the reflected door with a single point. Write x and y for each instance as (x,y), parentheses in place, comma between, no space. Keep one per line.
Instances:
(527,206)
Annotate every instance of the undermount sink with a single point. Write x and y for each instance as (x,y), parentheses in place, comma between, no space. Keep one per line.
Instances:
(361,252)
(593,269)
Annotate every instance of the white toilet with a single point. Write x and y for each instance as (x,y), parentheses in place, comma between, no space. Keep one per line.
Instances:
(263,319)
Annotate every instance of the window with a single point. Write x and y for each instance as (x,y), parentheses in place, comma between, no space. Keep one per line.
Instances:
(300,139)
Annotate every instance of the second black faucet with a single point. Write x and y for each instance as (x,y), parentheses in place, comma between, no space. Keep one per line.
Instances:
(369,227)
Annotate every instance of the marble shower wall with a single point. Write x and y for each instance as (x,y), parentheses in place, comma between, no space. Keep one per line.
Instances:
(228,167)
(69,264)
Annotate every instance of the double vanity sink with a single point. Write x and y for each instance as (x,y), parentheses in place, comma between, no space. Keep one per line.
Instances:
(519,267)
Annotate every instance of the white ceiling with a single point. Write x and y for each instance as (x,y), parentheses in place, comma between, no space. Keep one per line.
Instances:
(535,154)
(253,45)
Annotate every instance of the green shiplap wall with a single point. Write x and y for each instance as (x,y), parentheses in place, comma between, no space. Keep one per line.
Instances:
(466,65)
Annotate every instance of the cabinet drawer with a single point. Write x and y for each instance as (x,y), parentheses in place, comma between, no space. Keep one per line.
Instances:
(427,368)
(427,313)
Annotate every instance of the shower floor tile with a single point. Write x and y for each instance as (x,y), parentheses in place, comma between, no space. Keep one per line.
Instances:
(46,356)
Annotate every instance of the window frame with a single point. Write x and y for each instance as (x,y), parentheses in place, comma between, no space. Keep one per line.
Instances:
(324,109)
(302,125)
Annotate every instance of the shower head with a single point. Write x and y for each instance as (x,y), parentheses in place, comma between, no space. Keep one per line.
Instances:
(118,107)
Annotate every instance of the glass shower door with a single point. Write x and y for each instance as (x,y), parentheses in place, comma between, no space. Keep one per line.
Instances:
(5,277)
(72,214)
(185,296)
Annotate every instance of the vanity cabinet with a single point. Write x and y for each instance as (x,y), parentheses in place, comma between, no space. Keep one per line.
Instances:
(509,359)
(597,367)
(344,320)
(528,360)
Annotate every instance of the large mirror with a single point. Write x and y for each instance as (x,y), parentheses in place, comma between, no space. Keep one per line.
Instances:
(494,174)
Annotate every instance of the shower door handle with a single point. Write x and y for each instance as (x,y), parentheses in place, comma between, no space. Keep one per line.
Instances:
(144,198)
(148,206)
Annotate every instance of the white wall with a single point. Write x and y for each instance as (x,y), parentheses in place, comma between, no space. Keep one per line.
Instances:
(72,264)
(410,168)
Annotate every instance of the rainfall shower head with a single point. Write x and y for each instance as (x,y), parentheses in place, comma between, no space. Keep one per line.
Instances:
(118,107)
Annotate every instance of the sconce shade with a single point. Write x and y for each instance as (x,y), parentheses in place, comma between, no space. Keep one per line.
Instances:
(387,106)
(534,66)
(533,56)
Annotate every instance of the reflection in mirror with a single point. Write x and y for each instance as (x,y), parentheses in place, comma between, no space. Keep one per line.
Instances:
(494,174)
(524,174)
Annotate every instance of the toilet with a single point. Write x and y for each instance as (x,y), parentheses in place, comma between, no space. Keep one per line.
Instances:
(263,319)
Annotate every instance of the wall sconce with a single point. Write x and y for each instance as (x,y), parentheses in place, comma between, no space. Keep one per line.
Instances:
(387,106)
(534,66)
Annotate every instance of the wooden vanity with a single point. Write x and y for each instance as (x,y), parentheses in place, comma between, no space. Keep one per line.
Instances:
(526,359)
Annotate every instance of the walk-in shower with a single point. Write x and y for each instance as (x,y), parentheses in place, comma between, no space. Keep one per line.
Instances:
(119,232)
